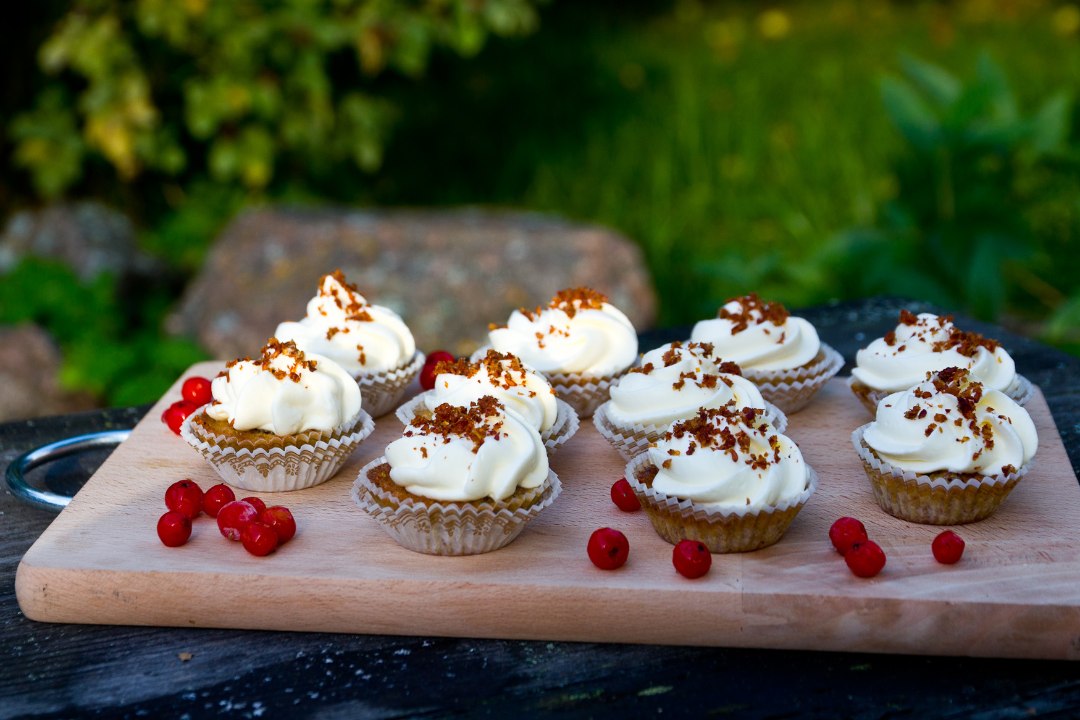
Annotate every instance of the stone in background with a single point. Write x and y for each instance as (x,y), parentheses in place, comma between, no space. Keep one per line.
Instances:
(448,273)
(29,367)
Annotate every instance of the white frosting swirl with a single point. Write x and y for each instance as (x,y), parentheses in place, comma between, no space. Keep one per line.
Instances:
(578,332)
(673,381)
(503,376)
(285,391)
(341,325)
(928,343)
(728,459)
(953,423)
(468,454)
(759,335)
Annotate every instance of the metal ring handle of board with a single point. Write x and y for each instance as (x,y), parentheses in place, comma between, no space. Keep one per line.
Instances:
(16,471)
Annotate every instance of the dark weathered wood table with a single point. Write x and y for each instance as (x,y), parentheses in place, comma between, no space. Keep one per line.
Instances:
(76,670)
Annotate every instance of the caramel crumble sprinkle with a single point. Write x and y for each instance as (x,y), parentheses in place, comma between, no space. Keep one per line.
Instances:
(723,430)
(449,421)
(570,301)
(275,349)
(753,310)
(504,370)
(353,308)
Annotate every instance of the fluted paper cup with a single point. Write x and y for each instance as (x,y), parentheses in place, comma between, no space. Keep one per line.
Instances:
(313,459)
(940,498)
(720,530)
(447,528)
(382,391)
(791,390)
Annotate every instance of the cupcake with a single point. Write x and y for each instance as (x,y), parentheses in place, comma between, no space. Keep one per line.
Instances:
(947,451)
(672,383)
(460,481)
(579,341)
(724,477)
(779,353)
(503,376)
(285,421)
(371,342)
(926,343)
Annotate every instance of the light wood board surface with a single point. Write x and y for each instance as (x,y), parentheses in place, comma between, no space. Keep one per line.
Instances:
(1016,593)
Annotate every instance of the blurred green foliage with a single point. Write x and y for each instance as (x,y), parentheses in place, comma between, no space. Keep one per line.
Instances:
(111,347)
(973,174)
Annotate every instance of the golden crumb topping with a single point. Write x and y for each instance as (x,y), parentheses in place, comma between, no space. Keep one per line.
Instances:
(448,421)
(753,311)
(570,301)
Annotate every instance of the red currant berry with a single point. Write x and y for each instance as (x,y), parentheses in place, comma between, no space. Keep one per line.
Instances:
(845,532)
(866,558)
(428,373)
(948,547)
(623,496)
(259,539)
(608,549)
(281,521)
(438,356)
(186,497)
(233,517)
(691,558)
(216,497)
(174,528)
(175,415)
(196,390)
(255,502)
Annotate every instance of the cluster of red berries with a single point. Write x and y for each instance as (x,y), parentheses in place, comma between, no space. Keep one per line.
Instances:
(427,373)
(195,393)
(865,557)
(261,529)
(609,549)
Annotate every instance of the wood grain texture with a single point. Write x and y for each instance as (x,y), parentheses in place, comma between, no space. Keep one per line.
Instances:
(1015,594)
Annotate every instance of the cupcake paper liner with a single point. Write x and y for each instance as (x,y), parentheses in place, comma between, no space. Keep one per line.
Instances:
(1020,390)
(438,528)
(722,531)
(382,391)
(279,469)
(634,439)
(941,498)
(791,390)
(565,425)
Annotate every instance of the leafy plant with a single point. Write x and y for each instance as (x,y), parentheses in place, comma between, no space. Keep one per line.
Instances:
(240,92)
(110,349)
(967,189)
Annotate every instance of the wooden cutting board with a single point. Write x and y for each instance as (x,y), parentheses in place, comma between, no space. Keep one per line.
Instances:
(1016,593)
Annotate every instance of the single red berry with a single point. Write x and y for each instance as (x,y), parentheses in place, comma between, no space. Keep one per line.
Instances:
(174,528)
(866,558)
(691,558)
(216,497)
(185,496)
(427,373)
(845,532)
(948,547)
(176,413)
(281,521)
(259,539)
(608,548)
(233,517)
(196,390)
(623,496)
(258,504)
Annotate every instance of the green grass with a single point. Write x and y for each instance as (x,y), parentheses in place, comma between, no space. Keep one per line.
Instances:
(732,154)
